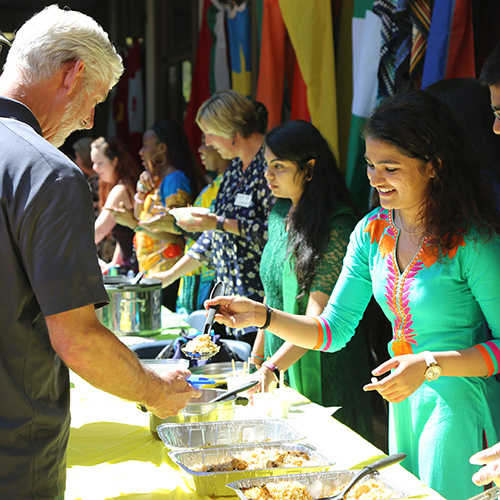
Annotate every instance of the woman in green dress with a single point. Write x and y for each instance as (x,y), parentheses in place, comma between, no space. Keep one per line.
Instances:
(309,228)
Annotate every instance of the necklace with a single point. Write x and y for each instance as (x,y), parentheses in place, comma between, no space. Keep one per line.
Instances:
(404,227)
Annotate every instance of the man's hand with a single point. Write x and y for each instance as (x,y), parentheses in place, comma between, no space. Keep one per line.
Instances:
(491,470)
(176,392)
(94,353)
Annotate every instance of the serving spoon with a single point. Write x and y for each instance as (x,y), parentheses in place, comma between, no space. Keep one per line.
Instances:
(217,291)
(368,469)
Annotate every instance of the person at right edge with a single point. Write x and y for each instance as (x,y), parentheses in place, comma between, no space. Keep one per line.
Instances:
(489,458)
(430,255)
(60,67)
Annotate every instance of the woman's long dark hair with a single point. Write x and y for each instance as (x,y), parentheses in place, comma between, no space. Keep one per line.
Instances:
(324,190)
(179,153)
(422,127)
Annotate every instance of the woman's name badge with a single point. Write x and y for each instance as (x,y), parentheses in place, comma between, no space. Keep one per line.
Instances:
(243,200)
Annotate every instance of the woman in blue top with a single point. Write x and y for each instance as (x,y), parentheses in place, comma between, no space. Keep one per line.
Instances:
(431,258)
(171,179)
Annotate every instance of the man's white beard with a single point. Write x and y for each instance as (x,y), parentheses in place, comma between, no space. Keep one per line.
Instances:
(67,124)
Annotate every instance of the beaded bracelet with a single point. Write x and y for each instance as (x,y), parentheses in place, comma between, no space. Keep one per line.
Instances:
(254,355)
(137,199)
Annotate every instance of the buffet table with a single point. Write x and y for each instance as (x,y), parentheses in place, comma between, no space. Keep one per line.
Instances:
(112,453)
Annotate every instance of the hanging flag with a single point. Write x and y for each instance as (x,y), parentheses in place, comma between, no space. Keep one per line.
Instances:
(239,36)
(420,15)
(271,81)
(220,78)
(298,101)
(366,43)
(309,26)
(200,82)
(126,112)
(135,99)
(450,46)
(343,58)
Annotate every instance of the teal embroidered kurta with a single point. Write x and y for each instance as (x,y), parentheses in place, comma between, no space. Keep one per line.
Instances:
(437,306)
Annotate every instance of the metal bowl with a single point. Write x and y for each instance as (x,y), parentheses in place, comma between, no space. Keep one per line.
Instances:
(199,410)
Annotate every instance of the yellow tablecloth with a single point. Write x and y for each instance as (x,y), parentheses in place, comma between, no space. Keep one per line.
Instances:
(112,453)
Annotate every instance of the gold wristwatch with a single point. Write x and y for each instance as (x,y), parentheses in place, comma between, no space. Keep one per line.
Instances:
(433,370)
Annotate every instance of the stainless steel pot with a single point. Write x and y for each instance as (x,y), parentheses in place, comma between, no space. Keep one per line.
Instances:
(133,309)
(199,410)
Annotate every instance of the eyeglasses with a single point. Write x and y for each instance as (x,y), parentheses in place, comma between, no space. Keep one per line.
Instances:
(496,112)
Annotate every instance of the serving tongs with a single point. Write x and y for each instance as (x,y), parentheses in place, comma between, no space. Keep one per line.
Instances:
(232,392)
(217,291)
(369,469)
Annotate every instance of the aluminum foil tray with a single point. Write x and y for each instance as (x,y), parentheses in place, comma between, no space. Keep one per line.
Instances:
(319,484)
(214,483)
(226,433)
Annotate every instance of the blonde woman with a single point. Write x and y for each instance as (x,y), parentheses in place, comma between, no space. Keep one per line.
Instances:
(235,233)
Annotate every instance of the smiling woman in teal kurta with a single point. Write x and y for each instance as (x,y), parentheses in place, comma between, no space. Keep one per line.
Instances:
(431,258)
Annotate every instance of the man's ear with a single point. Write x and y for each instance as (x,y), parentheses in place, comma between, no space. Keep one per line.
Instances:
(73,74)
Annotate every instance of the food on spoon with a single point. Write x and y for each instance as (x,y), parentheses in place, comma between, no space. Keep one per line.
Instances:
(202,344)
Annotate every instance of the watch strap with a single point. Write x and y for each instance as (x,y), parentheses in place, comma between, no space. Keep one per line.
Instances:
(272,367)
(220,223)
(429,358)
(268,317)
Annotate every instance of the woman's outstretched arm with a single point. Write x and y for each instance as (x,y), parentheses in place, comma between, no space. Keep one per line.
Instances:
(239,312)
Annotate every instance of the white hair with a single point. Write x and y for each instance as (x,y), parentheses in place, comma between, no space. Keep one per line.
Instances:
(54,36)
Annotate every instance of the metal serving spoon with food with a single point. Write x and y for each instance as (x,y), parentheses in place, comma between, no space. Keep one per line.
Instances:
(202,347)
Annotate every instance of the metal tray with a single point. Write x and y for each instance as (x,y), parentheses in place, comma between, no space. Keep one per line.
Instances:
(207,434)
(214,483)
(218,370)
(319,484)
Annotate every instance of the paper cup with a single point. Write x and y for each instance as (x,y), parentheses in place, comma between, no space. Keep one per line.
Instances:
(263,403)
(281,402)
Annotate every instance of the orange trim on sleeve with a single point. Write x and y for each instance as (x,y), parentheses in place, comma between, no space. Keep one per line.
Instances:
(319,343)
(487,359)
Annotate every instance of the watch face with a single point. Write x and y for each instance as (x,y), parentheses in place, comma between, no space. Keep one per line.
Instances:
(433,372)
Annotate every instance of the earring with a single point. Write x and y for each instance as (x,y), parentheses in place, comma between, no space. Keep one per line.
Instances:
(232,143)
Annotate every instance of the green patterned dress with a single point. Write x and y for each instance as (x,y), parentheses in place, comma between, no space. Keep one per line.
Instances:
(329,379)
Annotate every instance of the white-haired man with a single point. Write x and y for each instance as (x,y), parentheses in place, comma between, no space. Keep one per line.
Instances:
(60,67)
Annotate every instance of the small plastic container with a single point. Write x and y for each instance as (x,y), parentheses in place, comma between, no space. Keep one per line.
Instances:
(263,403)
(282,399)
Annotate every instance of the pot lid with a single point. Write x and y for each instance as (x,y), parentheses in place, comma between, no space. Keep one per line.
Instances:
(120,282)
